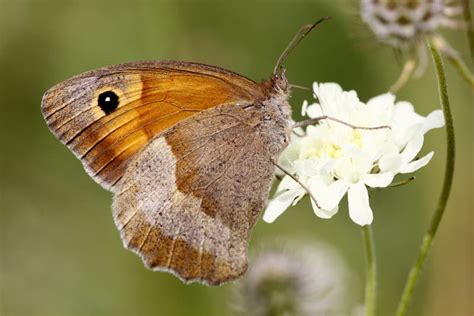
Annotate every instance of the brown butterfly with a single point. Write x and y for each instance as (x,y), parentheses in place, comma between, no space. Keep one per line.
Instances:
(188,151)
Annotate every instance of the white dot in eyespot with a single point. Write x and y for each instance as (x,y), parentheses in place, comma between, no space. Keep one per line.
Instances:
(107,99)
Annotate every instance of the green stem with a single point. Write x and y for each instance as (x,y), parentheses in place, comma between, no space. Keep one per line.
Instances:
(371,277)
(448,180)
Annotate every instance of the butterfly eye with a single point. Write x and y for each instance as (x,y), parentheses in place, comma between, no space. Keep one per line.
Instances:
(108,101)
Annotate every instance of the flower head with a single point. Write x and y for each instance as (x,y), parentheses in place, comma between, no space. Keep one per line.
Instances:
(400,22)
(296,280)
(332,158)
(405,24)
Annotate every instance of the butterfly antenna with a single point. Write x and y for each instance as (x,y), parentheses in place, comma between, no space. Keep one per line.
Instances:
(305,30)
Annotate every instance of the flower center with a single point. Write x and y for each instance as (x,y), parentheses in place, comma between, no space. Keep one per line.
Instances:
(332,150)
(357,138)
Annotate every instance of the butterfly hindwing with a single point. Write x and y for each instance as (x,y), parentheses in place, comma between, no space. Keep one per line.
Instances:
(187,203)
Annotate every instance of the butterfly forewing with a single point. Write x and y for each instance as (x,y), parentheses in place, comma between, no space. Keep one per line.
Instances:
(152,97)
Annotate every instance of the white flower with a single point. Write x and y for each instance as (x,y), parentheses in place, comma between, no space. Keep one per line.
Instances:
(332,159)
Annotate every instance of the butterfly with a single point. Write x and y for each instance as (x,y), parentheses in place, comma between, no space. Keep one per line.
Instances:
(188,151)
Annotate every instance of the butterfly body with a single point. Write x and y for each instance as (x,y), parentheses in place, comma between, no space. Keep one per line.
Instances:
(188,151)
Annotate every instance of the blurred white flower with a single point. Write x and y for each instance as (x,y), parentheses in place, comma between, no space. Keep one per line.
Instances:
(294,280)
(405,24)
(332,159)
(399,22)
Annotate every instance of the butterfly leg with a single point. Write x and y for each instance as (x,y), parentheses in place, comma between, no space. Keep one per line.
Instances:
(296,86)
(316,120)
(313,198)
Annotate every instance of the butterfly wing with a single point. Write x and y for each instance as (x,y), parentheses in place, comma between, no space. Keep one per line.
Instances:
(182,151)
(152,97)
(188,201)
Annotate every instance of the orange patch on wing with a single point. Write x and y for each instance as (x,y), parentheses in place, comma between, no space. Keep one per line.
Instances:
(150,102)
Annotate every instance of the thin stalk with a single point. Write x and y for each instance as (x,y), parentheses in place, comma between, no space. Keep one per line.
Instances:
(453,57)
(470,27)
(405,75)
(371,277)
(461,68)
(448,180)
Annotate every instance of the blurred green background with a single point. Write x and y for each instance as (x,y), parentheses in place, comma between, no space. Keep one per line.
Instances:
(60,251)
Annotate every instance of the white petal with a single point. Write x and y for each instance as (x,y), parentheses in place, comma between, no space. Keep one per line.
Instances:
(404,133)
(359,208)
(404,109)
(324,213)
(406,122)
(315,88)
(308,167)
(390,162)
(383,100)
(330,195)
(379,180)
(278,205)
(434,120)
(328,95)
(314,110)
(288,184)
(288,192)
(329,89)
(412,148)
(290,155)
(417,164)
(304,107)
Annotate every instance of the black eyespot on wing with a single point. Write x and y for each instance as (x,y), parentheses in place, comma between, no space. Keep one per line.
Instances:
(108,101)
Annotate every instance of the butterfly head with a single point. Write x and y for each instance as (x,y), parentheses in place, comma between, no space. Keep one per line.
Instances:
(280,82)
(277,85)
